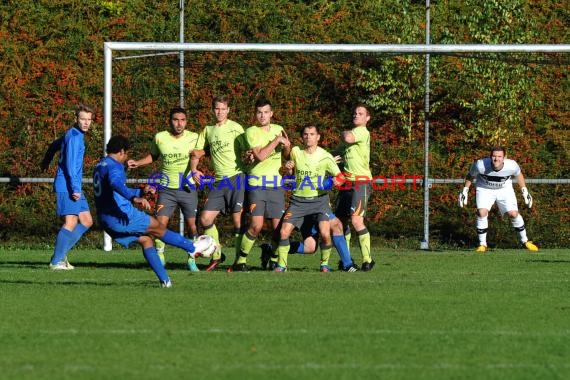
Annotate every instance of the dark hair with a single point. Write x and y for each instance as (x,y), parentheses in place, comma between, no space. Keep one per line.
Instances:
(302,129)
(117,143)
(498,149)
(220,99)
(177,110)
(363,106)
(262,102)
(83,108)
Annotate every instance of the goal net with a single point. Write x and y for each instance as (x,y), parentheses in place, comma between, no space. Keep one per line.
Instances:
(319,83)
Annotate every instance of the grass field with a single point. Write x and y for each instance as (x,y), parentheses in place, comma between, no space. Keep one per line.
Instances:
(417,315)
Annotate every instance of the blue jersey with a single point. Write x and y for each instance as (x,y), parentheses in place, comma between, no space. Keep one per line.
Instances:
(112,196)
(70,165)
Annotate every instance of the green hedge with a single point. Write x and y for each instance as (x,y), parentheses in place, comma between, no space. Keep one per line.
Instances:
(52,58)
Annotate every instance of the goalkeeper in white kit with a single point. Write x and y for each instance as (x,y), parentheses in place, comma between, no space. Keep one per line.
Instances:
(494,184)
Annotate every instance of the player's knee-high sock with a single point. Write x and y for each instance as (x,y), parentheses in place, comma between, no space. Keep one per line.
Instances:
(212,231)
(275,239)
(178,241)
(247,242)
(159,244)
(237,241)
(518,225)
(283,251)
(347,236)
(151,257)
(364,241)
(77,232)
(274,255)
(62,242)
(482,226)
(325,254)
(339,243)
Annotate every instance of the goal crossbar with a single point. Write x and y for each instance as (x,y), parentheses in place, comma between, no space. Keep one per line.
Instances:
(345,48)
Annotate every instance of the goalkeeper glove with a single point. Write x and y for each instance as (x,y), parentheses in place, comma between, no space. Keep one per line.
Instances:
(463,197)
(527,197)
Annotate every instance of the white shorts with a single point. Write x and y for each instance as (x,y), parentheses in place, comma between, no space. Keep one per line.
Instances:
(505,198)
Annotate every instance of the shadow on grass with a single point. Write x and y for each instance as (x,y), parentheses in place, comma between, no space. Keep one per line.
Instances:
(115,265)
(44,264)
(71,282)
(549,261)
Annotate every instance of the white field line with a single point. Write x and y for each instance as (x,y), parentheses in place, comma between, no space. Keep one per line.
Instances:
(215,331)
(386,366)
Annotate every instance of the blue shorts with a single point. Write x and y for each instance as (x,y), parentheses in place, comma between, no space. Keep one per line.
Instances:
(65,205)
(125,229)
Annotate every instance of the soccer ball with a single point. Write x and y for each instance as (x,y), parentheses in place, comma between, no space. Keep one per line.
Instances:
(205,246)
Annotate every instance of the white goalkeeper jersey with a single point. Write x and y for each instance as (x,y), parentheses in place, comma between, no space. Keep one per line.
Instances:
(488,178)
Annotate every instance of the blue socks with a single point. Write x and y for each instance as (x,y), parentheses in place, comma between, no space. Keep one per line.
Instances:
(77,232)
(178,241)
(62,242)
(153,260)
(341,246)
(65,240)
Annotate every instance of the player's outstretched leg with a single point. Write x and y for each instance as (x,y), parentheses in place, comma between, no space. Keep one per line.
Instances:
(179,241)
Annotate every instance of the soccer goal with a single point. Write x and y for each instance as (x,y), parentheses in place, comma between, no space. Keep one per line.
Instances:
(111,48)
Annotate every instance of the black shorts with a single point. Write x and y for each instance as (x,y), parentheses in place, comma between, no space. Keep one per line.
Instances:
(353,201)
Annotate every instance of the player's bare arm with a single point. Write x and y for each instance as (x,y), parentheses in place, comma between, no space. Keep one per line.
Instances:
(348,137)
(198,153)
(287,168)
(261,153)
(520,180)
(133,164)
(286,144)
(194,161)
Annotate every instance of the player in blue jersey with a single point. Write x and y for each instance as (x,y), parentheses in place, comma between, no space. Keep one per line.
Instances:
(125,223)
(70,201)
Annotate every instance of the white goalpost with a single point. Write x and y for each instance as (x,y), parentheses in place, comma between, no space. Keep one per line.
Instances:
(420,49)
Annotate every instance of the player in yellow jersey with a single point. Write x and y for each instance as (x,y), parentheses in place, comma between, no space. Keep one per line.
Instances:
(309,197)
(352,202)
(176,187)
(226,141)
(265,195)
